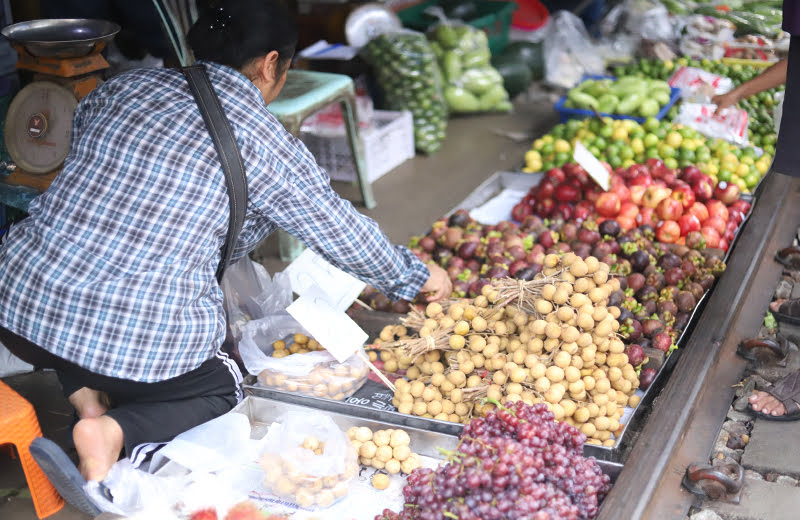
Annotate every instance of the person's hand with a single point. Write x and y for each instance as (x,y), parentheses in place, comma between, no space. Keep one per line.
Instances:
(438,285)
(724,101)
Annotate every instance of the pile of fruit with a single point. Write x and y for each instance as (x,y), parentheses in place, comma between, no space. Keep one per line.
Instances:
(242,511)
(408,74)
(623,143)
(471,83)
(551,340)
(674,202)
(384,449)
(516,463)
(627,95)
(301,344)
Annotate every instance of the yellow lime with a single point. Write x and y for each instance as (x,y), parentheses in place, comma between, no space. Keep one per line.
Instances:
(537,144)
(762,167)
(548,138)
(674,139)
(747,160)
(561,146)
(742,170)
(637,145)
(712,169)
(620,133)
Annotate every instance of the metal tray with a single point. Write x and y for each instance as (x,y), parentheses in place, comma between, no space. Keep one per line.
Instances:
(264,406)
(494,185)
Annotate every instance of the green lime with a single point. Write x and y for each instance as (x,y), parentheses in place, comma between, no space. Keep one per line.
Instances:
(724,175)
(670,162)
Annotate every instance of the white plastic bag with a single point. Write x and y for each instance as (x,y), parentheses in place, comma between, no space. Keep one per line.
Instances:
(308,459)
(698,85)
(569,52)
(251,294)
(11,365)
(777,113)
(730,124)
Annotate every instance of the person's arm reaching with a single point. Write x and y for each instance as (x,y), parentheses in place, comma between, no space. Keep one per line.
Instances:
(770,78)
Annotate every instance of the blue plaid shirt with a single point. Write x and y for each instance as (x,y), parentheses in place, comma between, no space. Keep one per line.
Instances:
(115,268)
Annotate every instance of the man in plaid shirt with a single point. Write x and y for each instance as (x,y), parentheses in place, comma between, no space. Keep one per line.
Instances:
(111,280)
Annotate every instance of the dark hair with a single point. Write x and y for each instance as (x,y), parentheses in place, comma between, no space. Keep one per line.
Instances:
(233,32)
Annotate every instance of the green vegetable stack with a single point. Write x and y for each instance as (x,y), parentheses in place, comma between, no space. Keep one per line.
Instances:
(629,95)
(408,74)
(471,83)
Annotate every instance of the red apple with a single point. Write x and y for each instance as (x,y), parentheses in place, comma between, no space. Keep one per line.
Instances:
(583,210)
(699,210)
(690,174)
(670,179)
(641,180)
(564,209)
(520,211)
(544,207)
(735,216)
(688,223)
(703,190)
(684,195)
(622,192)
(669,209)
(723,244)
(741,205)
(646,217)
(656,167)
(717,223)
(591,194)
(567,193)
(726,192)
(546,189)
(629,210)
(653,196)
(635,170)
(626,223)
(668,231)
(637,192)
(717,208)
(711,236)
(615,180)
(608,204)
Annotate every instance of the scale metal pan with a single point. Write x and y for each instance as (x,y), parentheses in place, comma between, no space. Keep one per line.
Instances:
(60,37)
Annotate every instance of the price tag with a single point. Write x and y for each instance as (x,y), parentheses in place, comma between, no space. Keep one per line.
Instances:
(332,328)
(593,167)
(309,270)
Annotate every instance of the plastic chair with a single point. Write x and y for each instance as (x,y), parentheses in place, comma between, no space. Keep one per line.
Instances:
(304,93)
(19,426)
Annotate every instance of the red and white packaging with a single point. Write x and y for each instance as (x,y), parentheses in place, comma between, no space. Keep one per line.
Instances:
(698,85)
(730,124)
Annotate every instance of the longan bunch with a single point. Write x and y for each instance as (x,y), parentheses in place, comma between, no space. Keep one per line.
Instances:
(301,344)
(332,380)
(384,449)
(393,360)
(284,478)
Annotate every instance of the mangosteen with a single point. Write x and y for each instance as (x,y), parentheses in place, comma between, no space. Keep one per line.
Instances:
(452,237)
(515,253)
(531,222)
(496,272)
(616,298)
(695,256)
(477,286)
(706,280)
(563,247)
(614,246)
(381,302)
(623,282)
(646,378)
(588,236)
(636,354)
(517,265)
(695,240)
(647,230)
(635,330)
(461,288)
(583,250)
(427,243)
(473,265)
(668,261)
(656,279)
(664,306)
(556,222)
(651,327)
(662,341)
(674,276)
(442,255)
(680,249)
(609,228)
(569,232)
(688,268)
(649,307)
(696,289)
(460,218)
(685,301)
(681,320)
(601,249)
(401,306)
(635,281)
(639,261)
(624,315)
(525,274)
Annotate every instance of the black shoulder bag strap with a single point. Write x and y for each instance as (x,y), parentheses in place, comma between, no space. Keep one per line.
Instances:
(224,141)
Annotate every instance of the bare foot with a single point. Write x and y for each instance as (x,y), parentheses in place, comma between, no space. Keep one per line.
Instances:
(89,403)
(98,441)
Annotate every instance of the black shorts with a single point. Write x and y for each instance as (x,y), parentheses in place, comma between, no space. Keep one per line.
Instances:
(787,149)
(149,414)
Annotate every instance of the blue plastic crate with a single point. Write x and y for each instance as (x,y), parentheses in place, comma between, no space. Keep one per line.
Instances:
(578,113)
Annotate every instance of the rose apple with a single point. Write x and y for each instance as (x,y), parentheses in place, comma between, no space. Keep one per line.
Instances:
(723,244)
(688,223)
(670,179)
(626,223)
(635,170)
(520,211)
(608,204)
(684,195)
(556,175)
(546,189)
(741,205)
(622,192)
(711,236)
(668,231)
(656,167)
(564,209)
(735,216)
(544,207)
(641,180)
(669,209)
(690,174)
(615,180)
(699,210)
(727,192)
(703,190)
(717,223)
(629,210)
(717,208)
(591,194)
(645,217)
(583,210)
(567,193)
(637,193)
(653,196)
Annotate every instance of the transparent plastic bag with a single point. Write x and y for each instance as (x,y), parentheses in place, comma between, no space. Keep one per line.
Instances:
(730,124)
(698,85)
(251,294)
(471,84)
(407,71)
(315,374)
(569,52)
(308,459)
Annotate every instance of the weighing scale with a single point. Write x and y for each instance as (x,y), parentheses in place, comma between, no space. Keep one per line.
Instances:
(64,57)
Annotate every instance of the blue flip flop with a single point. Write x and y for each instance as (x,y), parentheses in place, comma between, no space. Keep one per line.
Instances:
(63,474)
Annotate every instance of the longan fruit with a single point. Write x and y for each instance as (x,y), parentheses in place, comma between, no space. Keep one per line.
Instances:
(538,370)
(565,313)
(462,410)
(380,481)
(300,339)
(446,322)
(416,388)
(554,395)
(420,408)
(368,450)
(393,466)
(550,260)
(571,374)
(495,392)
(600,277)
(381,438)
(437,367)
(457,377)
(592,264)
(478,360)
(543,306)
(413,373)
(438,379)
(633,401)
(594,410)
(383,453)
(499,378)
(461,328)
(479,324)
(537,327)
(568,258)
(568,406)
(542,385)
(456,396)
(433,309)
(474,380)
(578,268)
(553,331)
(554,373)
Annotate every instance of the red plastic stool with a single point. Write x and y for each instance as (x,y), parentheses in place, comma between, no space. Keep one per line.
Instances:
(19,426)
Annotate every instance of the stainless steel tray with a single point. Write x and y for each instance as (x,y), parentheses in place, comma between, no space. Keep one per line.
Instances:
(496,183)
(263,407)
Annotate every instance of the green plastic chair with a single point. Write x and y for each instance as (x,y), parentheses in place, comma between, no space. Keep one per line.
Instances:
(305,93)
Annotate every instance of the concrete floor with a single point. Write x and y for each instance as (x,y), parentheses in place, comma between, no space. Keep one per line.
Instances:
(409,199)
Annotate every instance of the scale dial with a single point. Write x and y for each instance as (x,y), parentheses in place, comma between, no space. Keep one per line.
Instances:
(38,126)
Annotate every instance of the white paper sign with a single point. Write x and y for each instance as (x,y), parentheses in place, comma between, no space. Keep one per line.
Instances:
(311,270)
(593,167)
(332,328)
